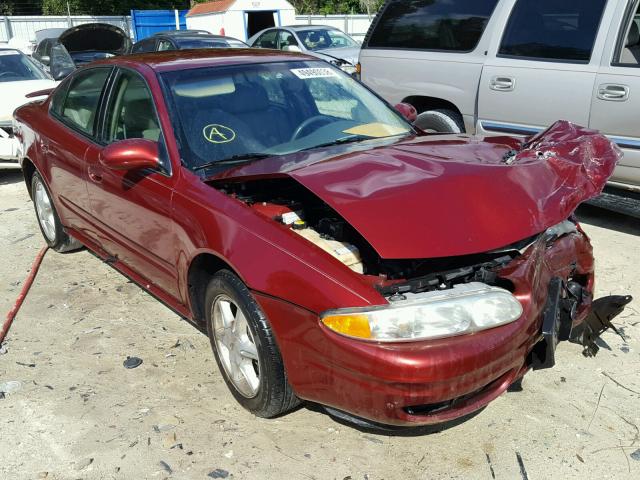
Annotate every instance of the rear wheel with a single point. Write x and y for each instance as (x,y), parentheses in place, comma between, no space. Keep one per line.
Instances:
(245,348)
(48,219)
(440,121)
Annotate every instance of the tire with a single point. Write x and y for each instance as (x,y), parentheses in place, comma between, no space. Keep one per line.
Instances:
(48,219)
(440,121)
(248,352)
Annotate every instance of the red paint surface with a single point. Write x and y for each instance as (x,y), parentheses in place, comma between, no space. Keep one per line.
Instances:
(418,198)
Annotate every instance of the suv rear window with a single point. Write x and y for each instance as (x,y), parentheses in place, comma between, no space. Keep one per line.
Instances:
(451,25)
(553,29)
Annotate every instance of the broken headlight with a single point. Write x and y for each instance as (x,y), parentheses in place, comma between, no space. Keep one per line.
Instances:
(463,309)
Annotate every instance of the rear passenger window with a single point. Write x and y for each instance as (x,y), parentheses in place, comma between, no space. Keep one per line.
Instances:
(451,25)
(83,97)
(553,30)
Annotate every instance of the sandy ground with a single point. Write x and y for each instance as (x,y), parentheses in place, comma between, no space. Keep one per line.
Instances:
(79,414)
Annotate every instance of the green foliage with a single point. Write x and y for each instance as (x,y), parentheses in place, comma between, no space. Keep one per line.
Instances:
(123,7)
(108,7)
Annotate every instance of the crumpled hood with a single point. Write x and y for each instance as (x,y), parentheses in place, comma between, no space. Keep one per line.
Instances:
(442,196)
(95,37)
(14,95)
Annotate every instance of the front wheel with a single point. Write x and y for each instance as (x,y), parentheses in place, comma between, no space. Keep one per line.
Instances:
(245,348)
(48,219)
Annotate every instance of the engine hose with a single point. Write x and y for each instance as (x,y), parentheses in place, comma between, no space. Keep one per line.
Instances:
(23,293)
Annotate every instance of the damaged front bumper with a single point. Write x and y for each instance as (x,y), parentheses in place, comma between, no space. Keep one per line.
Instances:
(427,382)
(9,144)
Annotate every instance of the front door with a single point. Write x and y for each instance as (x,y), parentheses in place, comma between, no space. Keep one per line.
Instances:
(616,97)
(543,68)
(133,208)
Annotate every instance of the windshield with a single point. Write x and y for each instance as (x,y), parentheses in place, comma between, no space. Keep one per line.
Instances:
(16,66)
(205,43)
(222,113)
(323,39)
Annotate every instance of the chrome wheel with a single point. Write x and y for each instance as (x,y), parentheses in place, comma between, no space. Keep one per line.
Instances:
(44,209)
(236,347)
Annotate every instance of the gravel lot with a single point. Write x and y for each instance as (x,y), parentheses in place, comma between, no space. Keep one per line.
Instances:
(79,414)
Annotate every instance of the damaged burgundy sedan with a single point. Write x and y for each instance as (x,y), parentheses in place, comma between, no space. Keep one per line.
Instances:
(332,252)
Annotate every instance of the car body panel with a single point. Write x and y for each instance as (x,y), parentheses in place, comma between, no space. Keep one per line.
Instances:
(154,226)
(15,94)
(347,54)
(548,180)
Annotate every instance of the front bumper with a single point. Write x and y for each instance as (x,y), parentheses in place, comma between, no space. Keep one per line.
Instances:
(9,145)
(433,381)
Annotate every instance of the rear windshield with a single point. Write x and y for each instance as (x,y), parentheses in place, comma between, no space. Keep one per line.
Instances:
(15,66)
(449,25)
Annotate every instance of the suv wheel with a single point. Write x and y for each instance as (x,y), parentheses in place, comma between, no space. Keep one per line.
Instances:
(440,121)
(245,348)
(48,219)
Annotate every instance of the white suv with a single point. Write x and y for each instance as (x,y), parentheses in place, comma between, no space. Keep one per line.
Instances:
(512,66)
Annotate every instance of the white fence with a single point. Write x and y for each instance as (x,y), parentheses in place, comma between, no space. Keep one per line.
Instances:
(24,27)
(354,25)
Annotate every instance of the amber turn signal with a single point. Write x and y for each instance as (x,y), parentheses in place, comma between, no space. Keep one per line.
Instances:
(353,325)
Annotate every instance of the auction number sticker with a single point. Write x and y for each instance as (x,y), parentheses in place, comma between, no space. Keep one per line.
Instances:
(307,73)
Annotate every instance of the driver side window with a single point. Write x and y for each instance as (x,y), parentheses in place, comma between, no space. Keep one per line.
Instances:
(132,114)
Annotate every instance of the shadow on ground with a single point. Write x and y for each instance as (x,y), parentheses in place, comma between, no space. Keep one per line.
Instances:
(10,175)
(603,218)
(366,426)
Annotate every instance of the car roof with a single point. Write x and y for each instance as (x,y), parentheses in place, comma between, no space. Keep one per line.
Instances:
(11,49)
(187,59)
(182,32)
(300,28)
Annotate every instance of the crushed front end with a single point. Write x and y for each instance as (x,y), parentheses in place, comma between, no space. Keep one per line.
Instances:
(459,311)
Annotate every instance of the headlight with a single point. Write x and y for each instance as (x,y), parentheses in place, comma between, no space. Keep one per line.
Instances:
(348,68)
(463,309)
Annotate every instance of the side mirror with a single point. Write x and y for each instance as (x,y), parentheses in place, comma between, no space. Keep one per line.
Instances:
(45,60)
(132,154)
(407,111)
(292,48)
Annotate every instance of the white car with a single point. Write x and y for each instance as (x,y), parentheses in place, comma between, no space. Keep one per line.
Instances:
(19,76)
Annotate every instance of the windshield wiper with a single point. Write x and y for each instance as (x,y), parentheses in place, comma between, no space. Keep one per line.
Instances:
(340,141)
(235,160)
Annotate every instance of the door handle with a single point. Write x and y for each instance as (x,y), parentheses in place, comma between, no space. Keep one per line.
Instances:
(44,148)
(613,92)
(503,84)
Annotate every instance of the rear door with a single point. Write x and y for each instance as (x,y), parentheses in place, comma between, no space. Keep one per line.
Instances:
(132,209)
(543,67)
(73,113)
(616,96)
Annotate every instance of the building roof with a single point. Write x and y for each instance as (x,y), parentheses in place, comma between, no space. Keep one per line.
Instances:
(214,6)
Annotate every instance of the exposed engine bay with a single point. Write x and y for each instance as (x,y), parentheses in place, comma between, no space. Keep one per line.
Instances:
(287,202)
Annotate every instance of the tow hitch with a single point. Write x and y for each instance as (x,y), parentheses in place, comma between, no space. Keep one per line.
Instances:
(557,319)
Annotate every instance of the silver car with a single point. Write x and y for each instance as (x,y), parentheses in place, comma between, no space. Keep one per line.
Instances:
(513,67)
(327,43)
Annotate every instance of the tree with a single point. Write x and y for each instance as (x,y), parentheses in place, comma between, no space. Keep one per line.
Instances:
(370,6)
